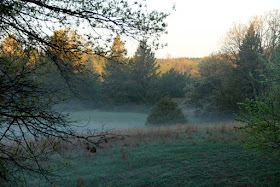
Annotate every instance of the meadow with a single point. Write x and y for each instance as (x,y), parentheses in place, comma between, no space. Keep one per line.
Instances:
(108,120)
(209,154)
(123,118)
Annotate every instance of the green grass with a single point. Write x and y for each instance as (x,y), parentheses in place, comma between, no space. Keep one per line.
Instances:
(202,157)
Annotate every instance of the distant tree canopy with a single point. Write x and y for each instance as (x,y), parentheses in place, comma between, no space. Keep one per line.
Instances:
(69,48)
(138,80)
(216,89)
(118,50)
(11,47)
(182,65)
(172,83)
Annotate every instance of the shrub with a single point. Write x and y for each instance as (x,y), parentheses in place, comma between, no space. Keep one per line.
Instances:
(166,112)
(262,123)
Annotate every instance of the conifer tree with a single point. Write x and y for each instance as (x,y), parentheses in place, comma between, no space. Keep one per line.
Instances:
(145,74)
(118,50)
(116,74)
(249,64)
(66,48)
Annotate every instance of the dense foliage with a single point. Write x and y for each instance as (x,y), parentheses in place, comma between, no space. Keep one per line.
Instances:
(262,119)
(238,72)
(216,89)
(182,65)
(172,82)
(165,112)
(138,80)
(261,116)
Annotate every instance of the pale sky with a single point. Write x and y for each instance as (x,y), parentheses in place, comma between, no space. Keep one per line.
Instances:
(197,27)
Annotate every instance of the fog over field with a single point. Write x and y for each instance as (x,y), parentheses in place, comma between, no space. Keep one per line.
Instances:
(92,95)
(85,117)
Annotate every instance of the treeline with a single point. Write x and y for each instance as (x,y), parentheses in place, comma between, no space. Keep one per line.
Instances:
(99,79)
(182,65)
(137,80)
(241,70)
(244,78)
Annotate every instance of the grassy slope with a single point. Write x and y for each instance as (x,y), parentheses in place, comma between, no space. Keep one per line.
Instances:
(174,157)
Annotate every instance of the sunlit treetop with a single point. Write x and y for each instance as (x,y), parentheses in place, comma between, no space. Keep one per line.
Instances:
(69,46)
(10,47)
(118,49)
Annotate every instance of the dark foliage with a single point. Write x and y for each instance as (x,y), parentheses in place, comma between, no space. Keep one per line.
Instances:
(217,89)
(144,76)
(165,112)
(172,83)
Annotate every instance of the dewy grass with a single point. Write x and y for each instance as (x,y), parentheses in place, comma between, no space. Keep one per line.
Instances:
(158,157)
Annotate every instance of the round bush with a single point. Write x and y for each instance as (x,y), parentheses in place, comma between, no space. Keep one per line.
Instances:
(166,112)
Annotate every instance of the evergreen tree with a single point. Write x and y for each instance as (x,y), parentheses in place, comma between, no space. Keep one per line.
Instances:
(11,48)
(144,75)
(116,74)
(118,51)
(66,48)
(250,67)
(262,115)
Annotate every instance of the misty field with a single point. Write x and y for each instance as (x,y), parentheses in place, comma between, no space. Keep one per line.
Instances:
(109,120)
(92,119)
(180,155)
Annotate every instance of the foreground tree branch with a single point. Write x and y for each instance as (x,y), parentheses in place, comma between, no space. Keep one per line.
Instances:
(31,131)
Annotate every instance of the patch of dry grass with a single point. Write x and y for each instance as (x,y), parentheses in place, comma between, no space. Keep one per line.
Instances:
(213,131)
(134,137)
